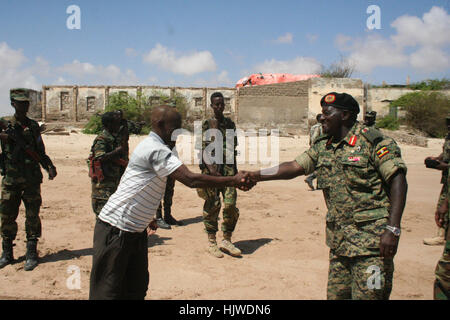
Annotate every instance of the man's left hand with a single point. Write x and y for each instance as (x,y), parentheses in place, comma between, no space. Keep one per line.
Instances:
(388,244)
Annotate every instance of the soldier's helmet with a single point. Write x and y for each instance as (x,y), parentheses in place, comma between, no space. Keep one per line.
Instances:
(19,94)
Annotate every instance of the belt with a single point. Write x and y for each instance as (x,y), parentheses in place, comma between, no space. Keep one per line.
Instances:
(115,230)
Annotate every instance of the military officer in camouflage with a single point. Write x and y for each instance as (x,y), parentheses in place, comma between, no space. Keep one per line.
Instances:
(440,163)
(111,150)
(212,205)
(442,282)
(23,152)
(363,178)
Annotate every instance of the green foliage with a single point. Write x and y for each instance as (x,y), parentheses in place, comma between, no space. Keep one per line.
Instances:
(431,84)
(425,111)
(388,122)
(136,109)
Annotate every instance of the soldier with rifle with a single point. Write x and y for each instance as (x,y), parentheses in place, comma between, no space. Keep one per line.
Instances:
(23,152)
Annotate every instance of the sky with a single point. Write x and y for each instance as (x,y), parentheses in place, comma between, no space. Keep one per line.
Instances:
(212,43)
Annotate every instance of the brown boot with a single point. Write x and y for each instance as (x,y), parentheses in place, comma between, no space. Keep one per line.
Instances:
(213,249)
(436,241)
(228,247)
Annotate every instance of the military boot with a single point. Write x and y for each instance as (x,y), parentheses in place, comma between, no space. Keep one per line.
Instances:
(213,249)
(7,255)
(31,256)
(436,241)
(159,220)
(228,247)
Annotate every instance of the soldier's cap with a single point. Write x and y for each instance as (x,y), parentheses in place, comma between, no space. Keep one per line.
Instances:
(341,101)
(19,94)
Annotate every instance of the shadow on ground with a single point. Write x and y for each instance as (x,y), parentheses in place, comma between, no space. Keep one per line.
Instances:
(250,246)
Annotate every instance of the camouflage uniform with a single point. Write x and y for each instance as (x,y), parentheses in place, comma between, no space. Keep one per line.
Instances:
(444,179)
(442,282)
(212,205)
(104,143)
(22,181)
(353,174)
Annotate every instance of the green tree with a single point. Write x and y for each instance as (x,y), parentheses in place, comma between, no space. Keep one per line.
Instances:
(137,109)
(425,111)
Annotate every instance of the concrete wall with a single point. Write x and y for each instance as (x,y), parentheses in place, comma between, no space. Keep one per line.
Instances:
(378,99)
(282,106)
(321,86)
(79,103)
(35,110)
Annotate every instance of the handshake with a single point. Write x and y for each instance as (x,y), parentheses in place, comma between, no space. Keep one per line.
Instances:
(245,180)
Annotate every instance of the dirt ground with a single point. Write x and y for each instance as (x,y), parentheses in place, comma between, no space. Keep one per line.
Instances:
(280,232)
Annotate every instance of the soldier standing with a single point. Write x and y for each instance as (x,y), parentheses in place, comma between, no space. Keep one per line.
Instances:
(370,118)
(23,151)
(442,272)
(363,178)
(107,161)
(440,163)
(212,205)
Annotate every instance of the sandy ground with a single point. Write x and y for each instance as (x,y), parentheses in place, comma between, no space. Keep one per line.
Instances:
(280,232)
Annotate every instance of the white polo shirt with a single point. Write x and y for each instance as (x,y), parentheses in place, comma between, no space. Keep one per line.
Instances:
(142,186)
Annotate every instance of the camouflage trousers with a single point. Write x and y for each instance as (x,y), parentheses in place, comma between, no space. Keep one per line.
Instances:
(100,195)
(359,278)
(11,197)
(168,196)
(212,206)
(442,272)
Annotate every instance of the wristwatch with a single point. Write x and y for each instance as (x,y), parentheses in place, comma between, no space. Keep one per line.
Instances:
(396,231)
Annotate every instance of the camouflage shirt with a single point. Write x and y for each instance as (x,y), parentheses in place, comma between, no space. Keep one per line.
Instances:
(226,167)
(445,158)
(104,143)
(353,175)
(21,167)
(315,132)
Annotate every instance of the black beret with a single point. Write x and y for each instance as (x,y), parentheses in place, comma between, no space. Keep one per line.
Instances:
(341,101)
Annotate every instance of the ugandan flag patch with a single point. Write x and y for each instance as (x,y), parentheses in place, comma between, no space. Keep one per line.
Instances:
(382,152)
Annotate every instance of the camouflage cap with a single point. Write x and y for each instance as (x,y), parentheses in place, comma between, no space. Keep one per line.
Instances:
(19,94)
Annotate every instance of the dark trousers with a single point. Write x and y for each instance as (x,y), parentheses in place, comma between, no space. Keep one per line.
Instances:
(119,264)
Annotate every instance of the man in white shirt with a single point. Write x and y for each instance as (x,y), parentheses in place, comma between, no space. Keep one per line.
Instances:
(120,259)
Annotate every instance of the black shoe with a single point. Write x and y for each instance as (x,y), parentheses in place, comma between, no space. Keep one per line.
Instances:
(162,224)
(7,255)
(31,256)
(172,221)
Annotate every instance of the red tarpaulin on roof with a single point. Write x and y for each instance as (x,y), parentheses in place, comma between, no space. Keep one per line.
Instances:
(269,78)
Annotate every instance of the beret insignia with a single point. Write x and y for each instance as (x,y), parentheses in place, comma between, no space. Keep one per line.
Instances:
(330,98)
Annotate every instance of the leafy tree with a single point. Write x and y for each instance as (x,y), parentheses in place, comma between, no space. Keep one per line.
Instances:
(137,109)
(425,111)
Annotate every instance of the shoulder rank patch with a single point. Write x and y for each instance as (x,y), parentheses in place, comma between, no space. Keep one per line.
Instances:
(352,141)
(382,152)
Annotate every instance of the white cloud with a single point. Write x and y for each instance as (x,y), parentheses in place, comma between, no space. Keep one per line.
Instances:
(312,37)
(419,43)
(88,73)
(285,39)
(188,64)
(130,52)
(299,65)
(13,73)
